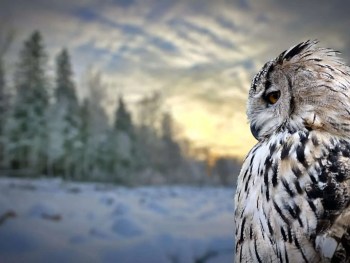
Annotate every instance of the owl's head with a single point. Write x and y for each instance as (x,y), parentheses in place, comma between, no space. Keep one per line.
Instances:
(305,87)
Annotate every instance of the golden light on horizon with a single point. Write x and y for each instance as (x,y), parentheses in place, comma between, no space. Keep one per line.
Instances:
(221,135)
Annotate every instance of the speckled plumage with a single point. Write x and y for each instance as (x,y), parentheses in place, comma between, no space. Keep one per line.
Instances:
(293,192)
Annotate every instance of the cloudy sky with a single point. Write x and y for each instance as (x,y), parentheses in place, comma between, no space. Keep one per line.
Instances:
(200,54)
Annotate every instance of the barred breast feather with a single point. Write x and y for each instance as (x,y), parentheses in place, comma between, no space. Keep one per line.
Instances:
(291,190)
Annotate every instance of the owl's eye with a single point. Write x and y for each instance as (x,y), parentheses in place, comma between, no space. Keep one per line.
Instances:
(272,97)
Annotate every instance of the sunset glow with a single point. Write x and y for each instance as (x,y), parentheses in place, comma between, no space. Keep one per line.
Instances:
(222,135)
(200,55)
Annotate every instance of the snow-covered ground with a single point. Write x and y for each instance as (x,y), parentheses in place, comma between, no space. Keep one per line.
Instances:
(54,221)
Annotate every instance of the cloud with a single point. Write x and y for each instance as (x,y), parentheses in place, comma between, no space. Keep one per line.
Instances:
(200,54)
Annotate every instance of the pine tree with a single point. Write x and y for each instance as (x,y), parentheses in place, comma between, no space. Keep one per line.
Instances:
(28,126)
(65,88)
(2,81)
(65,118)
(5,42)
(167,127)
(123,137)
(147,138)
(31,82)
(94,129)
(85,164)
(171,152)
(123,120)
(3,109)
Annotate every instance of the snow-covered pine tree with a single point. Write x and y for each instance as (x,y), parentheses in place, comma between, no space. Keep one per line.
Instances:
(2,84)
(65,120)
(4,104)
(170,161)
(123,121)
(123,135)
(171,152)
(94,128)
(147,139)
(65,88)
(5,42)
(85,163)
(27,129)
(4,110)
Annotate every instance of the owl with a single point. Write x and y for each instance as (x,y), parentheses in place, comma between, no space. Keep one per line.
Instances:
(292,202)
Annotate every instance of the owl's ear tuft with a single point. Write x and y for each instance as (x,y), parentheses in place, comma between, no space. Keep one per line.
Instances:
(295,50)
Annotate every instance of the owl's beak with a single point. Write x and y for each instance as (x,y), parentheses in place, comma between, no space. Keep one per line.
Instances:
(255,131)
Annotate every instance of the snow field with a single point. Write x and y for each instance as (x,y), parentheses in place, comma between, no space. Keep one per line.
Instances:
(54,221)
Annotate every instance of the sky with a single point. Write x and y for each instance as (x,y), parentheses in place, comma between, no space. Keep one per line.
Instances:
(199,54)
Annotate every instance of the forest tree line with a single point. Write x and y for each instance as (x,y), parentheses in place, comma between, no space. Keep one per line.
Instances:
(45,130)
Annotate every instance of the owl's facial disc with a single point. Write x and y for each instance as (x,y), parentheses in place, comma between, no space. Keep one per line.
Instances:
(269,100)
(265,122)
